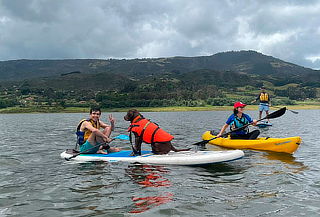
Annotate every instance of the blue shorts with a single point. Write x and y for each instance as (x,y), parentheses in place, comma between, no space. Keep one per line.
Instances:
(263,107)
(88,148)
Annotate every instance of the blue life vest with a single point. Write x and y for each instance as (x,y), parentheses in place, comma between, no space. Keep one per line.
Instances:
(239,122)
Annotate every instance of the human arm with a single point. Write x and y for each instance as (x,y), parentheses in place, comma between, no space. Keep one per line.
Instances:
(250,120)
(254,122)
(256,99)
(112,123)
(269,101)
(87,125)
(224,127)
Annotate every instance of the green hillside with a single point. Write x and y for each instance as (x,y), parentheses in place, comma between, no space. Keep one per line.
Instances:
(219,79)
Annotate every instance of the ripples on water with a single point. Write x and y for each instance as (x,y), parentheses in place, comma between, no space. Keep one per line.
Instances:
(34,181)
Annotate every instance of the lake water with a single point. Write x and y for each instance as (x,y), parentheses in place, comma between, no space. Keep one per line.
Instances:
(35,181)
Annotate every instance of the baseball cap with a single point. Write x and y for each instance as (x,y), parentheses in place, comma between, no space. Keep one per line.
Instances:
(239,104)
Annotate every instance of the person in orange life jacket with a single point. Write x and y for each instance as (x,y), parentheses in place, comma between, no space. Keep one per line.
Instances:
(92,136)
(265,102)
(237,120)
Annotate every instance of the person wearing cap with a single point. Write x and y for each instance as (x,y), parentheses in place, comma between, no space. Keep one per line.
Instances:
(237,120)
(264,100)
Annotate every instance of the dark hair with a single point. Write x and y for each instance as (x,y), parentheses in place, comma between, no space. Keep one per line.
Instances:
(95,109)
(235,111)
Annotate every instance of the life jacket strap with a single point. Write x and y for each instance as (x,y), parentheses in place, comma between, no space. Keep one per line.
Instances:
(144,129)
(153,134)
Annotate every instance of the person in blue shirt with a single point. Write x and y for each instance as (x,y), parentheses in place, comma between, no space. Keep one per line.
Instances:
(239,119)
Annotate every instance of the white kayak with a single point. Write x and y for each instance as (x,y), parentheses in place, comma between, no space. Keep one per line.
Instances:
(172,158)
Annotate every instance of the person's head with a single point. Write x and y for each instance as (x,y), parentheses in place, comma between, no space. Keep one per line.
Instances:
(95,113)
(238,107)
(262,88)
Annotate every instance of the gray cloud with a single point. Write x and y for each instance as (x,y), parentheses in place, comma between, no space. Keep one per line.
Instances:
(42,29)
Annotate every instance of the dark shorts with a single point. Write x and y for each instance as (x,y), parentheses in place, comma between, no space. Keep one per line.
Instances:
(252,135)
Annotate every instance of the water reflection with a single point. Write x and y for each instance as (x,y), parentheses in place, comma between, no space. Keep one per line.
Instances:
(149,176)
(287,159)
(283,157)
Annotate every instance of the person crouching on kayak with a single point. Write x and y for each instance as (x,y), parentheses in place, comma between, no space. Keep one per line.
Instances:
(89,135)
(239,119)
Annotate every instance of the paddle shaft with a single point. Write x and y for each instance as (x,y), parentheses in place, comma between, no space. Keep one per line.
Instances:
(99,144)
(83,152)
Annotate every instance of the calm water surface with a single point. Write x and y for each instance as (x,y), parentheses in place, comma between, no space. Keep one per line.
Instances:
(34,181)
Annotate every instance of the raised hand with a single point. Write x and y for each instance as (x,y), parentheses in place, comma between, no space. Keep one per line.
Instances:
(112,121)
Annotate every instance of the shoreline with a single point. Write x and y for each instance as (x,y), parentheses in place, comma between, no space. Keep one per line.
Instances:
(19,110)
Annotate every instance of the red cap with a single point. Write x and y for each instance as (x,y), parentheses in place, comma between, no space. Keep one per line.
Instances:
(239,104)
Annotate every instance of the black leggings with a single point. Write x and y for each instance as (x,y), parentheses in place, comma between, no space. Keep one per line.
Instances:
(252,135)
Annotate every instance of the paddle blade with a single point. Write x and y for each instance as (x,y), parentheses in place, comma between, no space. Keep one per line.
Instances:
(123,137)
(294,112)
(277,113)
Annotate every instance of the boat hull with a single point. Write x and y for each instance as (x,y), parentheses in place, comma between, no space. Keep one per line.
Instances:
(286,145)
(172,158)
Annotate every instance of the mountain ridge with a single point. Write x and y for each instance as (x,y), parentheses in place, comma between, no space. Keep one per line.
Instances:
(246,62)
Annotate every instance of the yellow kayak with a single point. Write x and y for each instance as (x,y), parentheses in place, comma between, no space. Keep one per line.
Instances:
(286,145)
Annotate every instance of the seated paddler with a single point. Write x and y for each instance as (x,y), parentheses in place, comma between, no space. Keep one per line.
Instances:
(237,121)
(89,136)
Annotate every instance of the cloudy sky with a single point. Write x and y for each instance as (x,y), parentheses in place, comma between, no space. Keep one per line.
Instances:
(58,29)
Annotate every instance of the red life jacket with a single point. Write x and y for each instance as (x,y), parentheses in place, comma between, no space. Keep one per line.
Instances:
(148,131)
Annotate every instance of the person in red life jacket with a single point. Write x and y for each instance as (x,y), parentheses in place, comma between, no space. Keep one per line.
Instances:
(148,132)
(264,102)
(237,120)
(89,135)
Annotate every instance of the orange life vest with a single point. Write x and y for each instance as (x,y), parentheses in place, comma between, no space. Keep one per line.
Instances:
(148,131)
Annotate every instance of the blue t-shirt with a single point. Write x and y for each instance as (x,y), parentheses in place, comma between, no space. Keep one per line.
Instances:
(233,120)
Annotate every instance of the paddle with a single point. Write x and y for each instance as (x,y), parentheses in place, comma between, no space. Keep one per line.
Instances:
(83,152)
(272,115)
(121,136)
(294,112)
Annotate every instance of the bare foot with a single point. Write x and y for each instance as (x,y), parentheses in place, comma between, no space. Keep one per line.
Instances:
(113,149)
(101,152)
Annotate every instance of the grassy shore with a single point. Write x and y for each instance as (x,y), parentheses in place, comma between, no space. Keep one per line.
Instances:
(147,109)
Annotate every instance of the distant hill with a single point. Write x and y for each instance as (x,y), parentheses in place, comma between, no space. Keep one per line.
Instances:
(242,62)
(219,79)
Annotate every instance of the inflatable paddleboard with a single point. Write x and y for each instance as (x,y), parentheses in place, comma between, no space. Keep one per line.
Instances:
(264,124)
(172,158)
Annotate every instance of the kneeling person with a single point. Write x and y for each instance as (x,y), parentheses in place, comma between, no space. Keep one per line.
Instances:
(90,139)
